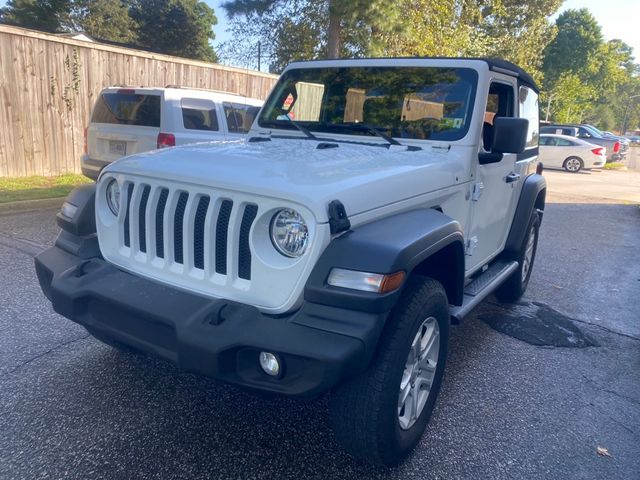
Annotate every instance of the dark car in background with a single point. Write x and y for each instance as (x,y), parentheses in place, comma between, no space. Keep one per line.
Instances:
(617,148)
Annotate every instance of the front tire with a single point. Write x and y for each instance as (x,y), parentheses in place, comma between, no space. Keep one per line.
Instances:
(381,414)
(573,164)
(514,287)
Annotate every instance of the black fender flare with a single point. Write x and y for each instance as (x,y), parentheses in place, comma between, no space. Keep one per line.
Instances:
(532,196)
(78,231)
(396,243)
(83,220)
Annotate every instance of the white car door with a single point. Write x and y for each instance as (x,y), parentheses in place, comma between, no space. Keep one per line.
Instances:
(549,154)
(494,190)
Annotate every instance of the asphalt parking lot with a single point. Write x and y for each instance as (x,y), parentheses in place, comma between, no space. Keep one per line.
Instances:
(71,407)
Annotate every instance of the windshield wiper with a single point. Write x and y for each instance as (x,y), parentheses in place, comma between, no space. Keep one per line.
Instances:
(371,129)
(304,130)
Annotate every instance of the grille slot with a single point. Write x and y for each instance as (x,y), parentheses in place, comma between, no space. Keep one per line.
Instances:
(198,232)
(204,232)
(222,230)
(244,251)
(127,231)
(142,220)
(177,227)
(162,203)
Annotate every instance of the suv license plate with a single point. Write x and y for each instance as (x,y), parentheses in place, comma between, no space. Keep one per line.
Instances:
(118,148)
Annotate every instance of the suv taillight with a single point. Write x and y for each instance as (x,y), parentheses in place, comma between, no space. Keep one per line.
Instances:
(166,140)
(616,147)
(597,151)
(86,148)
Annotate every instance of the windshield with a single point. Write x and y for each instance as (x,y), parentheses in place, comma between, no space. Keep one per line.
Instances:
(593,131)
(426,103)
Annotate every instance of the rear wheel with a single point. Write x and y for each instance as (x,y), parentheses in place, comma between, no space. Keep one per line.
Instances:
(573,164)
(514,287)
(381,414)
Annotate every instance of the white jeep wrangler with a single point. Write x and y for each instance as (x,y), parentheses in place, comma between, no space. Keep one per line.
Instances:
(375,202)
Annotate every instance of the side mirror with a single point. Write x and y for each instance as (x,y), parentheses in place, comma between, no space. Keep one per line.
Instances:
(509,135)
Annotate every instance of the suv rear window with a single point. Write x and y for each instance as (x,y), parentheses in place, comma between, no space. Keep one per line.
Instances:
(127,109)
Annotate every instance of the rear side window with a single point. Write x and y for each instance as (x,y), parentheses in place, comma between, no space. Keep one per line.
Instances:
(563,142)
(240,117)
(198,114)
(127,109)
(528,103)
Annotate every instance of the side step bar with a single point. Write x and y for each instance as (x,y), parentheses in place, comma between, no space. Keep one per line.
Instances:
(481,288)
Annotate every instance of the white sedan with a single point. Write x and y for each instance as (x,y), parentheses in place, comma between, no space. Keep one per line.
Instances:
(570,153)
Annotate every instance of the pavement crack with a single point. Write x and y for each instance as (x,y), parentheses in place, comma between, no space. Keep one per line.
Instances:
(622,425)
(614,332)
(606,390)
(45,353)
(22,245)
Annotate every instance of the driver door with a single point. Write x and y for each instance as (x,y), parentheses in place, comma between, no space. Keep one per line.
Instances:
(493,192)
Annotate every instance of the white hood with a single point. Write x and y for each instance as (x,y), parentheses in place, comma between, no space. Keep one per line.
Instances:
(362,177)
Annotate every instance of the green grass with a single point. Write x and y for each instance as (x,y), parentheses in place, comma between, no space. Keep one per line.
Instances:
(35,188)
(613,166)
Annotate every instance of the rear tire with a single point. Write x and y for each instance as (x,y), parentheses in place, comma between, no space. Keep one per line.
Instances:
(514,287)
(381,414)
(573,164)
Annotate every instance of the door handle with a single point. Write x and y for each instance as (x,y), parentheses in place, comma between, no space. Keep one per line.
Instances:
(512,177)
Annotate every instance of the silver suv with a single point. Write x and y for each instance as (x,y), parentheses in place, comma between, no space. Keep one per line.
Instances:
(126,121)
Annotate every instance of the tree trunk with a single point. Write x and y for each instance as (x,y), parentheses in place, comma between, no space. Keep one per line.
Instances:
(333,34)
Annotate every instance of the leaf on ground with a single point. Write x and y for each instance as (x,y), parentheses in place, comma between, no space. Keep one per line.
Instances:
(603,452)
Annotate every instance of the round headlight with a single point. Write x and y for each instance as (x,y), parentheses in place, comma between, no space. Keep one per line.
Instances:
(289,233)
(113,197)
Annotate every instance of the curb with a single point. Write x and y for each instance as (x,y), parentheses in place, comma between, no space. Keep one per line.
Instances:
(24,206)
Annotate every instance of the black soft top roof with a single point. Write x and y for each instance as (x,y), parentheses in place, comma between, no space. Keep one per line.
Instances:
(495,64)
(509,68)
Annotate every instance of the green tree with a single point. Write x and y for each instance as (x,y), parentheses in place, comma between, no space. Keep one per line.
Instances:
(433,28)
(175,27)
(586,78)
(575,47)
(287,32)
(45,15)
(334,27)
(515,30)
(571,98)
(511,29)
(104,20)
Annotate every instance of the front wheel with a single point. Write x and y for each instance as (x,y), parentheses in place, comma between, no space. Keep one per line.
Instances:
(573,164)
(381,414)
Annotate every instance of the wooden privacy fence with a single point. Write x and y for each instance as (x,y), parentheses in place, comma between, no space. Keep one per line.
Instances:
(48,85)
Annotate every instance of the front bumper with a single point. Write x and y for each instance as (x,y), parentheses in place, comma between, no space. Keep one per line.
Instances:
(319,345)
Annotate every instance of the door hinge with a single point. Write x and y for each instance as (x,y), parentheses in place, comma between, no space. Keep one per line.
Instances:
(471,245)
(478,188)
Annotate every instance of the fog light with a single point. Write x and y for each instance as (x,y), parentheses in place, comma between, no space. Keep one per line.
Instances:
(269,364)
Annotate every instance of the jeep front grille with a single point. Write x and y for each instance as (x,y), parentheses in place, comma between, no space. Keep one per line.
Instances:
(167,226)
